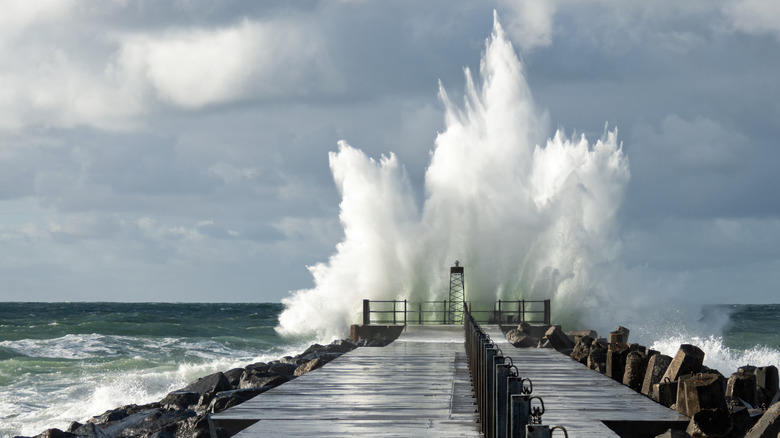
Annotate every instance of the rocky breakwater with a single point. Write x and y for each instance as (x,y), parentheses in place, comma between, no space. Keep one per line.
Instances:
(743,405)
(185,412)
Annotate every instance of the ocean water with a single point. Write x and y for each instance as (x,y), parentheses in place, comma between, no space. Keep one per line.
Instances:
(64,362)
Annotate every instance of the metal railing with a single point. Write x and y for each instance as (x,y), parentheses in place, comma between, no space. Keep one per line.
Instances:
(504,402)
(403,312)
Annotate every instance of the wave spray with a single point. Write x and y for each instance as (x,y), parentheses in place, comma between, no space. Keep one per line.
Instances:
(529,218)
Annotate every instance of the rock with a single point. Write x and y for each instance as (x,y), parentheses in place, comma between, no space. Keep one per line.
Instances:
(616,360)
(674,433)
(656,367)
(742,385)
(258,381)
(308,366)
(620,335)
(769,424)
(524,327)
(544,343)
(180,399)
(222,401)
(340,346)
(282,369)
(91,430)
(212,383)
(558,339)
(327,356)
(234,376)
(114,428)
(521,340)
(110,416)
(193,427)
(700,392)
(740,421)
(688,360)
(158,421)
(634,375)
(258,367)
(55,433)
(73,426)
(582,349)
(709,423)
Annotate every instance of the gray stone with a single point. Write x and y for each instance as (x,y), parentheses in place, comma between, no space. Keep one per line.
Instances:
(688,360)
(249,380)
(767,382)
(656,367)
(212,383)
(54,433)
(179,399)
(308,366)
(234,376)
(597,358)
(578,334)
(282,369)
(521,340)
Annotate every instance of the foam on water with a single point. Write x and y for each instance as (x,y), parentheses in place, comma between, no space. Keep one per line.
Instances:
(529,218)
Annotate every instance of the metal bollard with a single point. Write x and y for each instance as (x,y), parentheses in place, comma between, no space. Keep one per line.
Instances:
(489,373)
(543,431)
(500,399)
(519,414)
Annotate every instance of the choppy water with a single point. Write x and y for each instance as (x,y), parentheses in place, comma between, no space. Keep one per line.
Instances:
(63,362)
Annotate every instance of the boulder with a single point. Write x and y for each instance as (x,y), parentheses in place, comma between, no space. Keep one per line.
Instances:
(616,360)
(179,399)
(636,365)
(159,421)
(249,380)
(212,383)
(340,346)
(688,360)
(700,392)
(54,433)
(234,376)
(582,349)
(258,367)
(620,335)
(656,367)
(769,424)
(282,369)
(709,423)
(767,382)
(308,366)
(524,327)
(558,339)
(222,401)
(194,427)
(521,340)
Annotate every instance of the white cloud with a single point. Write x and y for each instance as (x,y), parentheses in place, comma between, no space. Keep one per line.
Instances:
(754,17)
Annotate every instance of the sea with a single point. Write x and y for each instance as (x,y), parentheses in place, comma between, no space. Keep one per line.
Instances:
(64,362)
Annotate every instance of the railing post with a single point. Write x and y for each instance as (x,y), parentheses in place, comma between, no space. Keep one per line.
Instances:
(444,316)
(547,312)
(523,303)
(366,312)
(499,401)
(404,312)
(419,313)
(499,313)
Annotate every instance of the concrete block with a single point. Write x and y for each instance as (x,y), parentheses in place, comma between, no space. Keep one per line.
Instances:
(742,385)
(769,424)
(597,358)
(558,338)
(709,423)
(656,367)
(767,382)
(665,392)
(582,349)
(616,360)
(688,360)
(634,374)
(700,392)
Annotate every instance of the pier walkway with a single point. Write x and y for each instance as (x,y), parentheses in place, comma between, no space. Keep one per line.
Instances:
(418,385)
(585,402)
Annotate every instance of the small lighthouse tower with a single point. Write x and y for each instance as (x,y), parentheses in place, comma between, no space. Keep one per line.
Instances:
(457,294)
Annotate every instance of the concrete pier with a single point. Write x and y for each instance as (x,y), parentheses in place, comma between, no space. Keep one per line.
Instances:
(417,386)
(420,386)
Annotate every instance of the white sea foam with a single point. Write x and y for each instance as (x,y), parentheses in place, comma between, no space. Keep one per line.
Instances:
(718,356)
(528,221)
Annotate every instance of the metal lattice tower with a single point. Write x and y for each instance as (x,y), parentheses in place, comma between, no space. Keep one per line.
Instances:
(457,294)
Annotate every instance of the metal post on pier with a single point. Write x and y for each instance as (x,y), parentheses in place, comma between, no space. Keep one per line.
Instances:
(366,312)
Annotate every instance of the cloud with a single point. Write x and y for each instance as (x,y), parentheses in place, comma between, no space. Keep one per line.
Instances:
(754,17)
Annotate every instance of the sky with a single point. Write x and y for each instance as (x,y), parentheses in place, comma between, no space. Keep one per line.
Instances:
(177,150)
